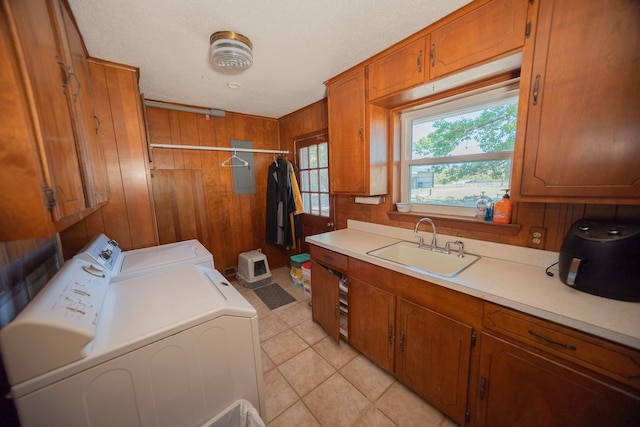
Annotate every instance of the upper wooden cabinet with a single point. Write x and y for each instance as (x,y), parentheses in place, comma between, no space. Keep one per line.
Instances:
(399,70)
(493,29)
(476,34)
(86,121)
(357,138)
(48,146)
(580,100)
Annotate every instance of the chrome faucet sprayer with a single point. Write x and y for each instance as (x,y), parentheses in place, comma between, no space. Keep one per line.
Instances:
(434,242)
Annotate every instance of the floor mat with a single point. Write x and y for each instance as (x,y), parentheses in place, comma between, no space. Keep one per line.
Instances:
(273,296)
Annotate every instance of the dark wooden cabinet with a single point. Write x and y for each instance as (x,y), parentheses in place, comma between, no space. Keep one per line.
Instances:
(86,120)
(372,322)
(493,29)
(48,81)
(481,363)
(328,268)
(433,357)
(23,207)
(408,327)
(534,372)
(580,102)
(357,138)
(326,303)
(521,388)
(53,146)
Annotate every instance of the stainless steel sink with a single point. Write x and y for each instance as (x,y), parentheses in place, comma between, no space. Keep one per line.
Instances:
(410,255)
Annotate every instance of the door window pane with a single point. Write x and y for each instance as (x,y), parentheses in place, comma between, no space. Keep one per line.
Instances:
(314,178)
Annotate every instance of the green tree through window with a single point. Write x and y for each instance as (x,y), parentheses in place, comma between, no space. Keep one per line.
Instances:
(460,151)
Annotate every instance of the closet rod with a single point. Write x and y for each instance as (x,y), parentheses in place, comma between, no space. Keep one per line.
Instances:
(209,148)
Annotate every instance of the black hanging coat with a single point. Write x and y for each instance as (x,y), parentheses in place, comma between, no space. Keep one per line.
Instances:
(280,203)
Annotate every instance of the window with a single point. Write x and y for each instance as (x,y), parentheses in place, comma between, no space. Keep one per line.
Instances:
(456,149)
(314,178)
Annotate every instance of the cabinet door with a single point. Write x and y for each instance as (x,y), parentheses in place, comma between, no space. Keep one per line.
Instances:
(398,70)
(23,213)
(348,150)
(371,322)
(582,101)
(493,29)
(86,121)
(520,388)
(433,357)
(358,135)
(49,81)
(325,305)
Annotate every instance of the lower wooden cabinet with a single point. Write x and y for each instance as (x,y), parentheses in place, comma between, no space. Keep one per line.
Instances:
(325,306)
(521,388)
(478,362)
(372,322)
(433,357)
(329,270)
(430,352)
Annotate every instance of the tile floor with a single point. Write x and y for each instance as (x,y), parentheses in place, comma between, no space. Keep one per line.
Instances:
(312,381)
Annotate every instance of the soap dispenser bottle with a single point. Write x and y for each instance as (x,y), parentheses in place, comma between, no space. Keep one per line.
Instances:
(481,206)
(503,209)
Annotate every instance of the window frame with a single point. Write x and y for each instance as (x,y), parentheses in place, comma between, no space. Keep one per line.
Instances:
(306,144)
(443,107)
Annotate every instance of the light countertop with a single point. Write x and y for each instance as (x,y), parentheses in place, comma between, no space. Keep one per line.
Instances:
(508,275)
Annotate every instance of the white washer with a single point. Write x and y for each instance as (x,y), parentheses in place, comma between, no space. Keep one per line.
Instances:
(137,262)
(172,348)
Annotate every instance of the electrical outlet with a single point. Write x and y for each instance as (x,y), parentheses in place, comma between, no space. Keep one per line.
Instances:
(537,237)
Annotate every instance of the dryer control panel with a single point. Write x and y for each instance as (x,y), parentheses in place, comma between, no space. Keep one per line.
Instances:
(56,327)
(102,251)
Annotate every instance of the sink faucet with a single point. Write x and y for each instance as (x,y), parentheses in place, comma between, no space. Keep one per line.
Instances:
(434,242)
(460,248)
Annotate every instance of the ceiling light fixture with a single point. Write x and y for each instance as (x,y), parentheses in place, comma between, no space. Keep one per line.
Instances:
(230,52)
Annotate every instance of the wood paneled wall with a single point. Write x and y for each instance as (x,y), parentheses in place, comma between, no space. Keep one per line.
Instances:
(308,121)
(194,195)
(128,217)
(555,218)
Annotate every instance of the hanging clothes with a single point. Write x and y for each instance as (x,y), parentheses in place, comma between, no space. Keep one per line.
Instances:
(281,227)
(294,218)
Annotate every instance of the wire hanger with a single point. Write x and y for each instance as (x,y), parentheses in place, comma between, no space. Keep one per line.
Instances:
(229,162)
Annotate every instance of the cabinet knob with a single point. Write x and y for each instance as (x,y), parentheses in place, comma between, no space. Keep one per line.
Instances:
(536,89)
(62,65)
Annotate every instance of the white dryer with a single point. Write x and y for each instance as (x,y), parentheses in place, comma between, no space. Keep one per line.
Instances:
(122,265)
(171,348)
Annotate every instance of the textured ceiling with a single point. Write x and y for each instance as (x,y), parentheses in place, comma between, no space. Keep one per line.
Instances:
(297,44)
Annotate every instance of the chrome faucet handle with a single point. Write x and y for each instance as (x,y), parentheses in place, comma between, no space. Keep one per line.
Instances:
(447,249)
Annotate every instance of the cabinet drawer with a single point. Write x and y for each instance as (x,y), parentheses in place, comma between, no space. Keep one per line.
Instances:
(329,258)
(614,361)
